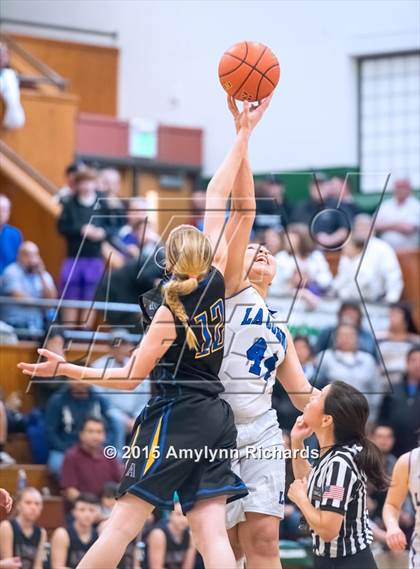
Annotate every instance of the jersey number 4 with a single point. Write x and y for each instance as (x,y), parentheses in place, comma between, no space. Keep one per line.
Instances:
(255,355)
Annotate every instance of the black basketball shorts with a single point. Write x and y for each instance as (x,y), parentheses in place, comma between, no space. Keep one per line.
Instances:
(183,444)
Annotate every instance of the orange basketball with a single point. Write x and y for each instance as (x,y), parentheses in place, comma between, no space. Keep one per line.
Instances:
(249,71)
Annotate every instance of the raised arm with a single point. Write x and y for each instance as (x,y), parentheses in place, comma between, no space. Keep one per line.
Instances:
(243,208)
(221,184)
(153,346)
(218,192)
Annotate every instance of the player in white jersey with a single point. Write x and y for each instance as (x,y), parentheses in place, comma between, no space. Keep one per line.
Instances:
(258,349)
(405,479)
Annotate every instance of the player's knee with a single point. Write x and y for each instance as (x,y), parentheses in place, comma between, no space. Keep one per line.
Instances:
(263,544)
(205,535)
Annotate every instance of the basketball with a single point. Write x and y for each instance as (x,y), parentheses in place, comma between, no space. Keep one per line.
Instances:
(249,71)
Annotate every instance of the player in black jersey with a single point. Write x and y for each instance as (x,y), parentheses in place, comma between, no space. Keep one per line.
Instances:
(175,432)
(334,498)
(169,544)
(69,545)
(21,537)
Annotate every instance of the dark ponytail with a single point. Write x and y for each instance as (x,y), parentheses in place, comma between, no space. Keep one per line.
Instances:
(350,411)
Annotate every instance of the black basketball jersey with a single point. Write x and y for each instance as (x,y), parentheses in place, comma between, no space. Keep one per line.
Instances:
(77,547)
(25,547)
(175,550)
(182,367)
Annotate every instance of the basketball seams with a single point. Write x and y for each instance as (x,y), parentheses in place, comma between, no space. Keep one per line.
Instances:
(259,85)
(237,58)
(253,69)
(249,70)
(267,70)
(235,68)
(263,74)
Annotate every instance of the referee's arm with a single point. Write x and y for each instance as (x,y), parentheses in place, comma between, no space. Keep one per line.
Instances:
(335,494)
(290,374)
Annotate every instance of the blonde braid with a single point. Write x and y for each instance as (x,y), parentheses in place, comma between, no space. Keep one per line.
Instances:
(172,292)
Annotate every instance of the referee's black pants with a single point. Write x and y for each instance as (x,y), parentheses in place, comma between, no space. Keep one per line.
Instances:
(362,560)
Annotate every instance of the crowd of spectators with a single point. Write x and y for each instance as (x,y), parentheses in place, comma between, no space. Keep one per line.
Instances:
(72,423)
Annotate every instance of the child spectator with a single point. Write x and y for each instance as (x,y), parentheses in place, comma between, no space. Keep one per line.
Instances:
(82,226)
(68,190)
(66,413)
(69,545)
(85,466)
(10,237)
(26,279)
(169,544)
(21,537)
(395,342)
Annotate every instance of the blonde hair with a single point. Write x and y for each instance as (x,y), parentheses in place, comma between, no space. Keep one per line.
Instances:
(188,258)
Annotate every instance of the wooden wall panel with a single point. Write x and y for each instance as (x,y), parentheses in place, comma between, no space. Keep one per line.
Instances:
(37,475)
(91,69)
(169,201)
(47,140)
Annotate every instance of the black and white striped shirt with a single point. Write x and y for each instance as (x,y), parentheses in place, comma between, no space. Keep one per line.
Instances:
(337,485)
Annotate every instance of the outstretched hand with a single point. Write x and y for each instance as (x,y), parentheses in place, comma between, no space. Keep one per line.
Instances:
(47,368)
(251,115)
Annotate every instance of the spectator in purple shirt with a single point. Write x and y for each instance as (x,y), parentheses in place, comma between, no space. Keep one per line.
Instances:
(10,237)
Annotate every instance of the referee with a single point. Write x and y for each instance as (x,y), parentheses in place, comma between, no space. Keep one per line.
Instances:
(332,494)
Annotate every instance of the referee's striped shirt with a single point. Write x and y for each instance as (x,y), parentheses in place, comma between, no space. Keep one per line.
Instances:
(337,485)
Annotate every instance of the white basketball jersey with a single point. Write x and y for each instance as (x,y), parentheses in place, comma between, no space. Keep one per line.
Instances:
(414,487)
(255,345)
